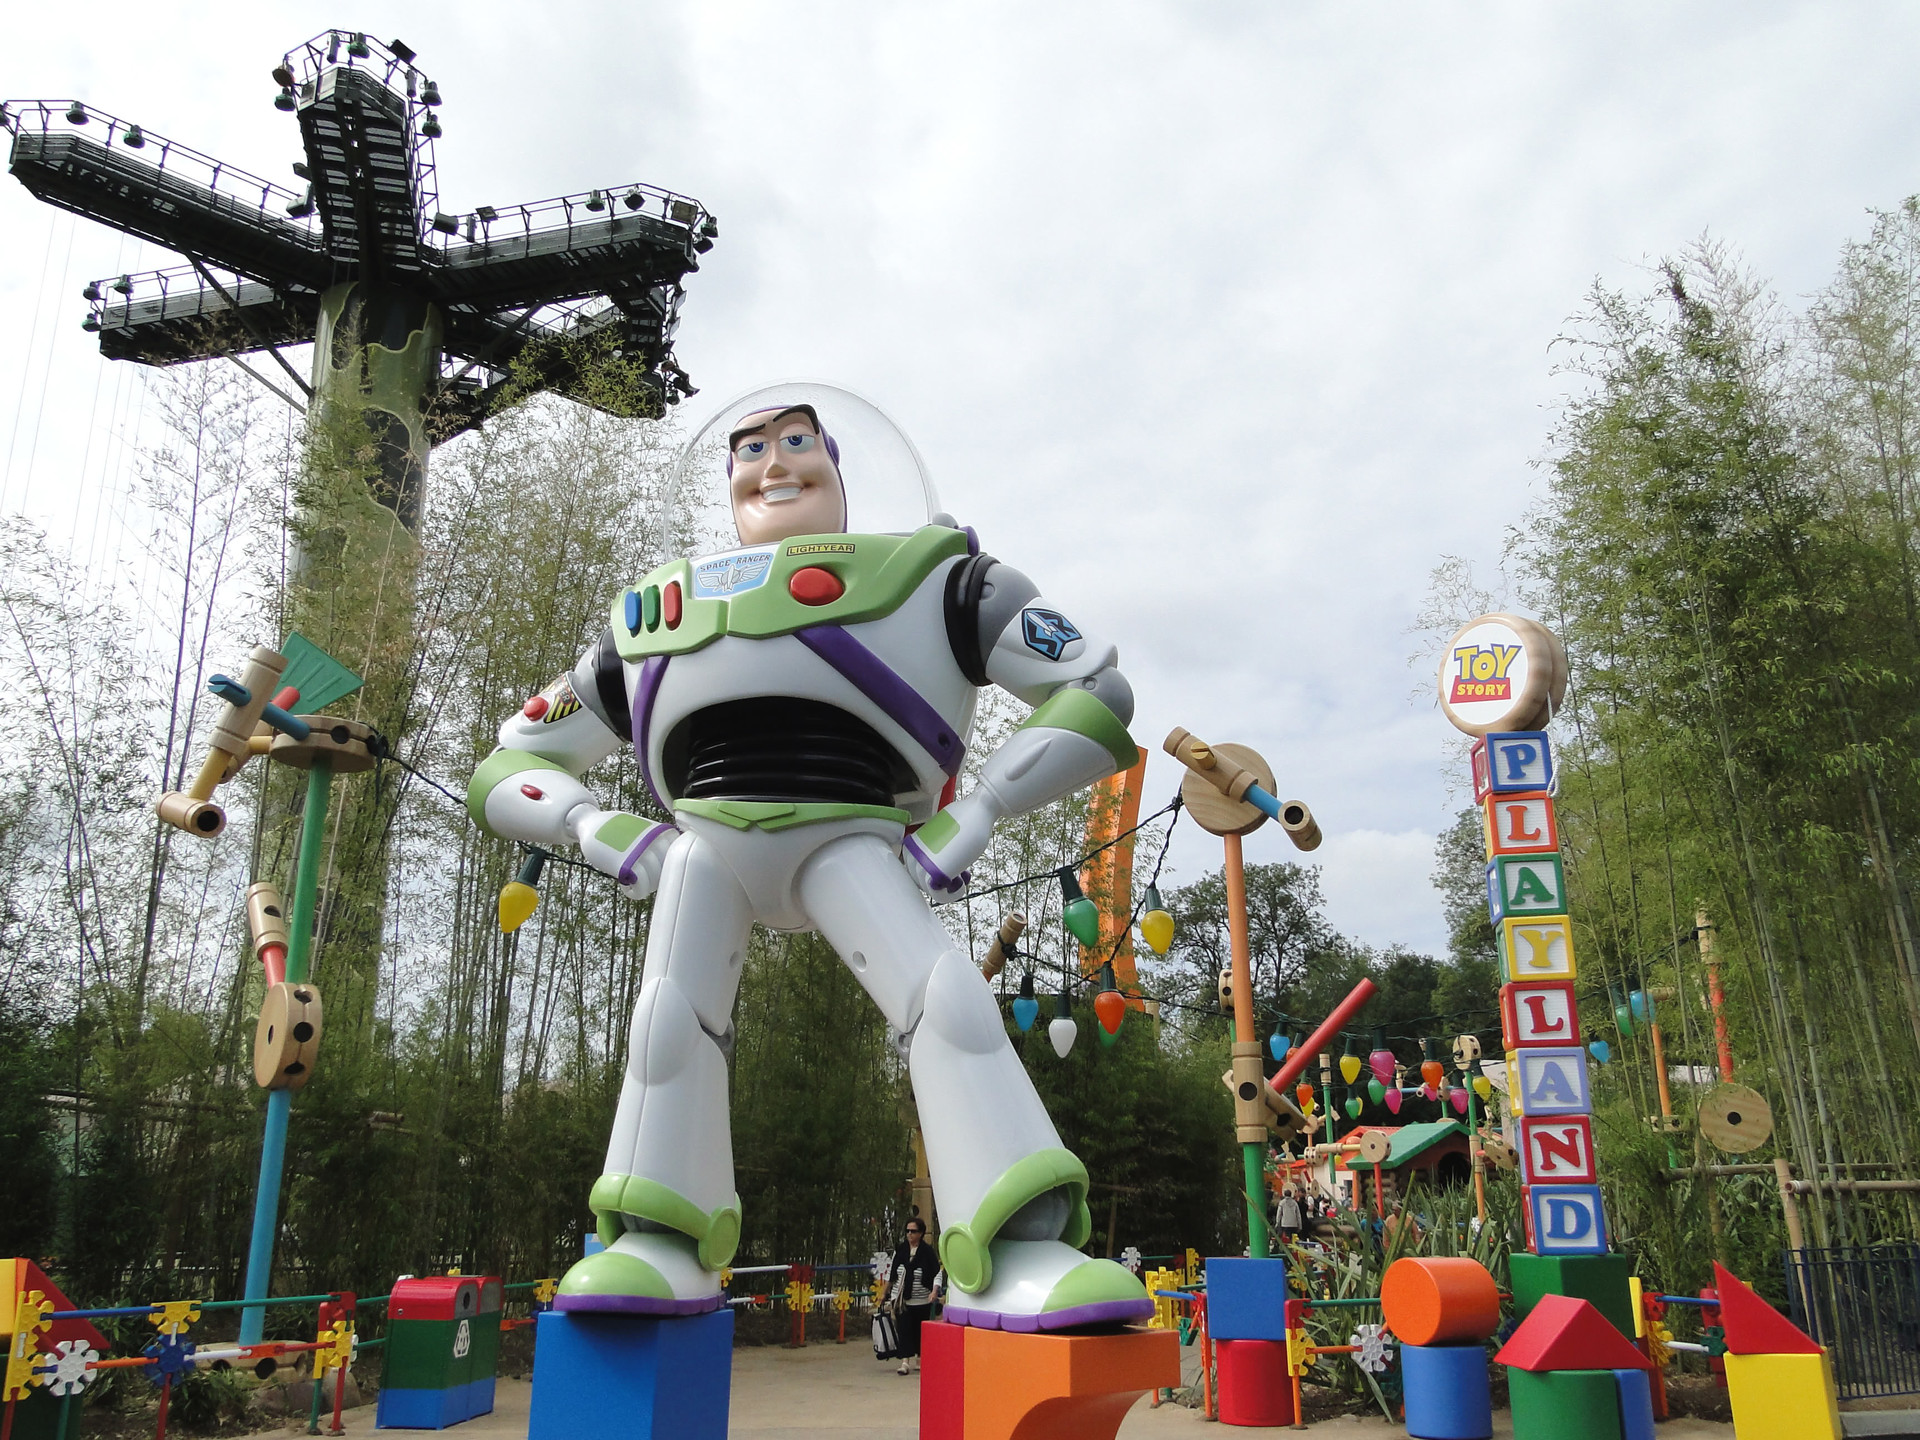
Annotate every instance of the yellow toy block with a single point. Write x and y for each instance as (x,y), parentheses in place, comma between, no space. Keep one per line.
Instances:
(1783,1397)
(1536,948)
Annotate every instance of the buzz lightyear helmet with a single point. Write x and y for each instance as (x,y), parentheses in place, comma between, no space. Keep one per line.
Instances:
(887,488)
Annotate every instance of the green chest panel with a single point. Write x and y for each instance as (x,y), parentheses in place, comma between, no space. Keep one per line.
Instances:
(687,604)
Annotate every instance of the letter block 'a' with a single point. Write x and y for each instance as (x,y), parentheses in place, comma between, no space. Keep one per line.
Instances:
(1521,824)
(1536,948)
(1552,1082)
(1557,1150)
(1525,885)
(1538,1012)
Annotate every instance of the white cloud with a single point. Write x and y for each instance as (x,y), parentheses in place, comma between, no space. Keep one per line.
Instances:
(1378,890)
(1225,321)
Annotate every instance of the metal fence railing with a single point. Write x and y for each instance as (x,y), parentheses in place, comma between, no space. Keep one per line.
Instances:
(1863,1303)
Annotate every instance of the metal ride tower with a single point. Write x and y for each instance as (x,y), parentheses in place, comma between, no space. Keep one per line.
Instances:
(416,314)
(424,322)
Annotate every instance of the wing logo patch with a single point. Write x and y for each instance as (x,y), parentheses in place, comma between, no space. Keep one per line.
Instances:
(730,574)
(1047,632)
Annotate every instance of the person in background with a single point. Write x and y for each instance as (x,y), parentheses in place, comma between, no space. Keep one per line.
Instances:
(914,1282)
(1290,1214)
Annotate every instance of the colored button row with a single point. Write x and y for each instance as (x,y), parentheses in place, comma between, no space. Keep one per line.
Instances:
(649,607)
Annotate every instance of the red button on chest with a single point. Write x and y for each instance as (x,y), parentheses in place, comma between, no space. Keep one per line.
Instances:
(670,605)
(815,586)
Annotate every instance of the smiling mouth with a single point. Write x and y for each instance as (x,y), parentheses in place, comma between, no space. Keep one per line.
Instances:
(786,490)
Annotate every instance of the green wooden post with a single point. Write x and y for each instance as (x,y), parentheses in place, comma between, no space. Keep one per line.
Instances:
(273,1144)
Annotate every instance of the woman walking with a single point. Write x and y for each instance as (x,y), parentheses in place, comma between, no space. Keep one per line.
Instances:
(915,1280)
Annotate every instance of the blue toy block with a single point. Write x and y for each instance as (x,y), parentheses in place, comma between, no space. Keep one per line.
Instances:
(631,1377)
(1553,1081)
(1519,760)
(1447,1392)
(1566,1220)
(1636,1404)
(1246,1299)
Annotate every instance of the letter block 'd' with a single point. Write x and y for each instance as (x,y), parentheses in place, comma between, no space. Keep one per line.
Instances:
(1557,1150)
(1520,824)
(1565,1219)
(1551,1081)
(1519,760)
(1525,886)
(1536,1013)
(1536,949)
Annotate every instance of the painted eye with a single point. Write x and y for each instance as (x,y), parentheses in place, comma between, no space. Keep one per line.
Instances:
(797,444)
(751,449)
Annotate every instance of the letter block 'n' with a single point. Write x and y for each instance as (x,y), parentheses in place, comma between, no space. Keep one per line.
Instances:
(1557,1150)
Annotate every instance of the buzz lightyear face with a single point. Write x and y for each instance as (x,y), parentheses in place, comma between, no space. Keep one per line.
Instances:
(783,477)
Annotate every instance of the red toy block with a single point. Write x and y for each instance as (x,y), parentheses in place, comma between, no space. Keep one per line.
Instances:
(1538,1012)
(1564,1333)
(943,1381)
(1753,1326)
(1255,1388)
(1057,1386)
(1557,1150)
(19,1276)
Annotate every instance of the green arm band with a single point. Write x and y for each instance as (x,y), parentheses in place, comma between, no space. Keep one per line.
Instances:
(1071,708)
(497,767)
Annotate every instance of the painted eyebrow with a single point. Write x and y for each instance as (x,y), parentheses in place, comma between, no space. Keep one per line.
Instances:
(805,411)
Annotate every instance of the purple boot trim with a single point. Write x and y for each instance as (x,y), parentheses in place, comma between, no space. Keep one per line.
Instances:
(1106,1312)
(636,1304)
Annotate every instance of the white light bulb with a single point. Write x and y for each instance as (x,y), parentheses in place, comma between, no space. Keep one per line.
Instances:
(1063,1032)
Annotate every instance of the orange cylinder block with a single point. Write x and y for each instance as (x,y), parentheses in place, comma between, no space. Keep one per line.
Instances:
(1440,1301)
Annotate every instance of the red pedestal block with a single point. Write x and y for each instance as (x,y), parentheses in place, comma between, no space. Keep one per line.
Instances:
(996,1385)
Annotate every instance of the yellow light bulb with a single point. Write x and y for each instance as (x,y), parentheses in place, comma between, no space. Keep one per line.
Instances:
(1156,928)
(517,904)
(1349,1068)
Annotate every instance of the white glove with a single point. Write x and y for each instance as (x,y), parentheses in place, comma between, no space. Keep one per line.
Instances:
(939,853)
(636,864)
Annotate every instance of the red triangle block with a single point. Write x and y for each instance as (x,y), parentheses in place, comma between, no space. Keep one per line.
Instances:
(1563,1332)
(20,1275)
(1753,1326)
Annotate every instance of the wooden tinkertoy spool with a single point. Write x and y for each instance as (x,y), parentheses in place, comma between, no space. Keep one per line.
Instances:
(286,1041)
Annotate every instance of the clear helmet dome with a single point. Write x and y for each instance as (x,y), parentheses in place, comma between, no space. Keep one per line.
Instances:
(887,488)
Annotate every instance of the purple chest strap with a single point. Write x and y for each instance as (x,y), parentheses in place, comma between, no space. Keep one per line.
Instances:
(898,700)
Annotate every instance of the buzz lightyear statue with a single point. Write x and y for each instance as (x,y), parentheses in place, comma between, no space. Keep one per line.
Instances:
(801,705)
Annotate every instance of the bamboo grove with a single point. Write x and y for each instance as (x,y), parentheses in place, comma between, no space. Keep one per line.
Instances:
(1727,544)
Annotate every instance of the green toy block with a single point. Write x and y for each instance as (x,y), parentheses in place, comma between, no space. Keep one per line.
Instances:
(1602,1279)
(1564,1404)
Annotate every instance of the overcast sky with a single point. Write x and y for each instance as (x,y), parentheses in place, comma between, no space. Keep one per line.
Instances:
(1225,321)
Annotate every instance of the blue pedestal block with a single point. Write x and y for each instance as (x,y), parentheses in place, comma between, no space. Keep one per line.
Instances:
(1246,1298)
(1448,1395)
(631,1377)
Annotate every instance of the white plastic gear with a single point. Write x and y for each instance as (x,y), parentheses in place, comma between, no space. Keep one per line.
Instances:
(1131,1258)
(72,1367)
(1375,1348)
(880,1265)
